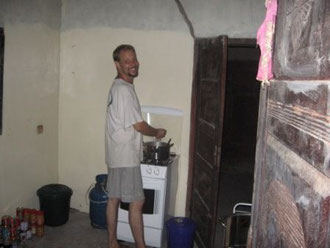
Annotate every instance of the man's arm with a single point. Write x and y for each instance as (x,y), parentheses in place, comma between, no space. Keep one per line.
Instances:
(145,129)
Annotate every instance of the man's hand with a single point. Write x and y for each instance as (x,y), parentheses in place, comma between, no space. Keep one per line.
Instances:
(160,133)
(148,130)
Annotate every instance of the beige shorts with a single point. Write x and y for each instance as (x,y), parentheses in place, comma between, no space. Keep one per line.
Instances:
(125,184)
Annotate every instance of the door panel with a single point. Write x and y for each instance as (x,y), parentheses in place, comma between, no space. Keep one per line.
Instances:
(208,102)
(208,106)
(210,57)
(203,182)
(206,146)
(203,221)
(286,169)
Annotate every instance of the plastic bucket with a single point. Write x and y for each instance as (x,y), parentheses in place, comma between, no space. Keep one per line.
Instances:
(98,202)
(54,200)
(180,232)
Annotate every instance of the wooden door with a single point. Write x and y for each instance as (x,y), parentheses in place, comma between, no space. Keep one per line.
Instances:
(206,137)
(291,205)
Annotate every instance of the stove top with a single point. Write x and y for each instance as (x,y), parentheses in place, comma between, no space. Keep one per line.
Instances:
(158,169)
(159,162)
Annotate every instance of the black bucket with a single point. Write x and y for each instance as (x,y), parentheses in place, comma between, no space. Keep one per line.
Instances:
(54,200)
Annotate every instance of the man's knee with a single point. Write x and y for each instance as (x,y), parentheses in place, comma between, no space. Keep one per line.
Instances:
(113,202)
(136,205)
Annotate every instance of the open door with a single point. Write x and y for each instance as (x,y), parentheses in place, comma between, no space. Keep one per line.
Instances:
(206,138)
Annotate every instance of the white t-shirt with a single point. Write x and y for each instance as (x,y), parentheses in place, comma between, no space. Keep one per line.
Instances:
(123,144)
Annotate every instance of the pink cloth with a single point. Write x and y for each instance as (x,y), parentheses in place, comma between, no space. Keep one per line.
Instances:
(265,41)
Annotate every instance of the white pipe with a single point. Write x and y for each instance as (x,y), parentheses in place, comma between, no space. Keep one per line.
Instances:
(161,110)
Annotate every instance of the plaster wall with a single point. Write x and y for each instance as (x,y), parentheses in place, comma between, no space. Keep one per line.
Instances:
(235,18)
(29,160)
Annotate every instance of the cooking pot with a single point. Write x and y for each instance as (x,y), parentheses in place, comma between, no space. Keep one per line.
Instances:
(157,150)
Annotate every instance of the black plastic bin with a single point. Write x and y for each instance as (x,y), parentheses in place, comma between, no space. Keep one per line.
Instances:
(54,200)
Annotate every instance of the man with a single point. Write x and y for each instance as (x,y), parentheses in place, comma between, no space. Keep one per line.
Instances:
(123,143)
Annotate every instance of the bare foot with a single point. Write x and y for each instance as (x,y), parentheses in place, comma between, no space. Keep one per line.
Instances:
(114,244)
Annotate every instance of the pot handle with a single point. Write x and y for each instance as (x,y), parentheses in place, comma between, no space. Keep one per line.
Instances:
(169,143)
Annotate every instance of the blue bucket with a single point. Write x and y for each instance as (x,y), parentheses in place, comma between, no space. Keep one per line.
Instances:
(98,202)
(180,232)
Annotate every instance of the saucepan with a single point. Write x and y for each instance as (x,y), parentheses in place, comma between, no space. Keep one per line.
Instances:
(157,150)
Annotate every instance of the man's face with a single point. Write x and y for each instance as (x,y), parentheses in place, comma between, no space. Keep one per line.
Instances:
(128,65)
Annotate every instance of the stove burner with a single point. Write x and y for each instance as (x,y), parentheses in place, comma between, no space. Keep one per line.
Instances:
(158,162)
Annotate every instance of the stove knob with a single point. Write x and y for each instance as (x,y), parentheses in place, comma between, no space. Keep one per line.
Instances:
(149,170)
(156,171)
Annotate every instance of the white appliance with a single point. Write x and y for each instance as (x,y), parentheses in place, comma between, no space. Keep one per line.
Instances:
(160,186)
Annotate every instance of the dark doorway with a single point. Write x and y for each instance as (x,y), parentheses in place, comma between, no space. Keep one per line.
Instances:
(239,131)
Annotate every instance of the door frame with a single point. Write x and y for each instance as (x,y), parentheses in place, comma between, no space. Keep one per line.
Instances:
(233,42)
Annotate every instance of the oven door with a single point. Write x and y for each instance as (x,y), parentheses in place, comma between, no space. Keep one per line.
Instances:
(154,206)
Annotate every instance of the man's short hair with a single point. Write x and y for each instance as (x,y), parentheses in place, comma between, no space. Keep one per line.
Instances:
(120,48)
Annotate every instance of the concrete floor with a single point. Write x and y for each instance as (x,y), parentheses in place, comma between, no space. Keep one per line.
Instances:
(77,232)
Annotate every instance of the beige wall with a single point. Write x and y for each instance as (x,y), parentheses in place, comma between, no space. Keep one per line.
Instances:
(87,72)
(28,160)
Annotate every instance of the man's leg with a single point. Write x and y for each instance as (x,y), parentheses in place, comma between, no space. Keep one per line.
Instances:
(112,212)
(136,222)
